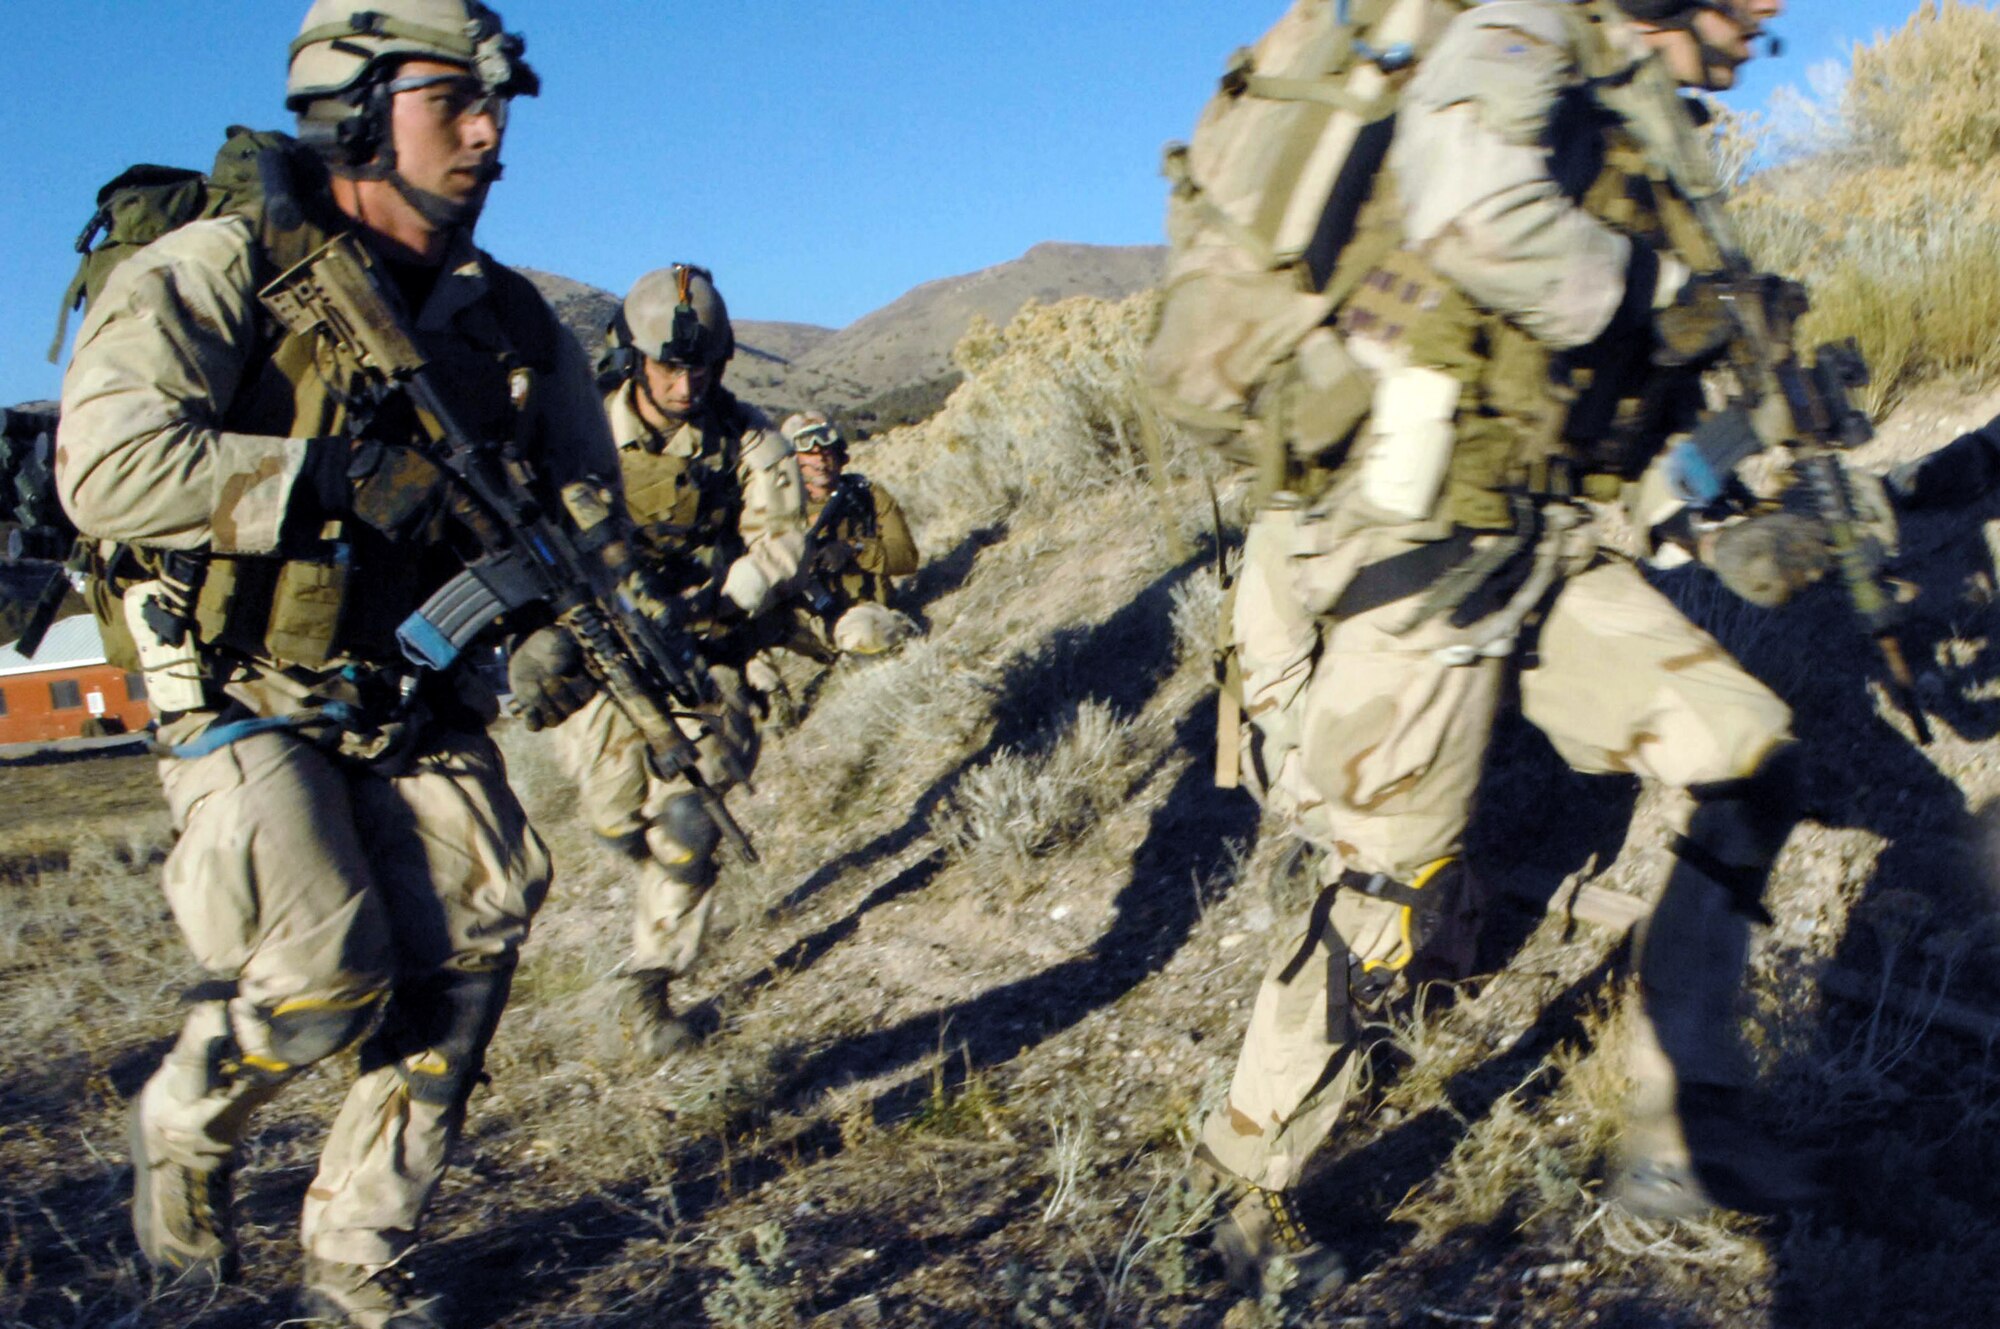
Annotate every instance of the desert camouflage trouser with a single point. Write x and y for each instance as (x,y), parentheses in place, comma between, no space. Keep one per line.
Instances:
(626,803)
(327,900)
(1370,745)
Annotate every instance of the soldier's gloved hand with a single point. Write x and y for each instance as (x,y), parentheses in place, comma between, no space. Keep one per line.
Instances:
(834,556)
(1769,559)
(547,676)
(1698,326)
(397,490)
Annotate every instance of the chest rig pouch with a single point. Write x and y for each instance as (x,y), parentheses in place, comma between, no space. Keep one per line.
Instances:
(685,500)
(341,590)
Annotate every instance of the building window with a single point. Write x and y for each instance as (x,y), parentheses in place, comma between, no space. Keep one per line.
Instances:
(65,695)
(135,687)
(3,703)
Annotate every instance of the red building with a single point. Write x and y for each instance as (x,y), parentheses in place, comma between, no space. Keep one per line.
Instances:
(64,684)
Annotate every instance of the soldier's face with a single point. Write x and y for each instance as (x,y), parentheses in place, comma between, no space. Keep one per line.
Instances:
(1708,54)
(820,471)
(675,390)
(447,133)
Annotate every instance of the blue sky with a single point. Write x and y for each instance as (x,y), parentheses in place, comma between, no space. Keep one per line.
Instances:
(822,158)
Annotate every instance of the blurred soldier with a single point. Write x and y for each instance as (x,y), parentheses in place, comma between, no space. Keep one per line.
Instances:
(860,540)
(719,508)
(350,866)
(1537,336)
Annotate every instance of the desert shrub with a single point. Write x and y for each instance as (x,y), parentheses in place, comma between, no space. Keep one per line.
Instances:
(1049,408)
(922,699)
(1023,804)
(1887,203)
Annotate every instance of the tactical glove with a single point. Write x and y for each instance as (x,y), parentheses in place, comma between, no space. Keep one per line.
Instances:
(396,490)
(1769,559)
(548,678)
(1698,326)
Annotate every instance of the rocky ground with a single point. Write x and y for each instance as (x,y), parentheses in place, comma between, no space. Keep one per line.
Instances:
(998,954)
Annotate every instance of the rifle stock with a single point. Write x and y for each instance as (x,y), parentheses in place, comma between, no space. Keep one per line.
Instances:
(585,577)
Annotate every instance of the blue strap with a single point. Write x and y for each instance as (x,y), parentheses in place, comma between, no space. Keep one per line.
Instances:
(217,737)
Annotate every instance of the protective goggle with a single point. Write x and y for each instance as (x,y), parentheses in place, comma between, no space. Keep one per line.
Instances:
(816,438)
(459,96)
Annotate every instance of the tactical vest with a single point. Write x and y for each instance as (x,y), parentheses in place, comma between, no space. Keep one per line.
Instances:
(1514,412)
(855,584)
(340,592)
(688,509)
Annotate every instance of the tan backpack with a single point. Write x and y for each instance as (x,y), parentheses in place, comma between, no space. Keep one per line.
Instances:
(1268,201)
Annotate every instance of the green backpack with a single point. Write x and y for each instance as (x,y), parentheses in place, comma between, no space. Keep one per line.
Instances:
(251,177)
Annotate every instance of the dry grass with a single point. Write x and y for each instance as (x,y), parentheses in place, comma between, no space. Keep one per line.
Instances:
(999,950)
(1888,202)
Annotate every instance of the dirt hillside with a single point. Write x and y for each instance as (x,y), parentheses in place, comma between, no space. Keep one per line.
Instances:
(1000,949)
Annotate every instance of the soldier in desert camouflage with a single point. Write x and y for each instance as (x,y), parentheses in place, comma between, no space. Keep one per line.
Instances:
(864,544)
(350,866)
(719,508)
(1551,275)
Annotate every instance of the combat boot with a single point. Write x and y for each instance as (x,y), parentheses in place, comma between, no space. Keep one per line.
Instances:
(1707,1155)
(180,1214)
(645,1014)
(366,1296)
(1264,1247)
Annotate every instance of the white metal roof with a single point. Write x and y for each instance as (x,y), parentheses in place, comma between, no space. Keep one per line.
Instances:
(72,642)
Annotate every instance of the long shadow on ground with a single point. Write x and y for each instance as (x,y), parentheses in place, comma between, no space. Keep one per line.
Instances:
(1121,662)
(1190,841)
(1906,1237)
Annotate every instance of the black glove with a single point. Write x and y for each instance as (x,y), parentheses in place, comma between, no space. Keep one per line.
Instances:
(1769,559)
(547,677)
(1698,326)
(397,490)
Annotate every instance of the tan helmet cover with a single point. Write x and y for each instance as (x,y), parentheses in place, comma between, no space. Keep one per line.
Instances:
(801,422)
(341,41)
(676,316)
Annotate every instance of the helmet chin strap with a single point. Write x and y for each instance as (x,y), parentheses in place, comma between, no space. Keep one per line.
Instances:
(441,212)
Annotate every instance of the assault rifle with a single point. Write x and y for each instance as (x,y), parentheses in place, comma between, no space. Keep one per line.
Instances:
(853,498)
(37,539)
(1806,407)
(586,576)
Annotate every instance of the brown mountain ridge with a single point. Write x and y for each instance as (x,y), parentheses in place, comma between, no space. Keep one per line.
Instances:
(889,364)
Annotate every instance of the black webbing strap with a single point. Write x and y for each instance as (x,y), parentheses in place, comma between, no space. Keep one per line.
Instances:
(1403,575)
(1342,966)
(209,989)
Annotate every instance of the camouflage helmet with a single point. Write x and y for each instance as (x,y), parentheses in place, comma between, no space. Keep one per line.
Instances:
(676,316)
(343,42)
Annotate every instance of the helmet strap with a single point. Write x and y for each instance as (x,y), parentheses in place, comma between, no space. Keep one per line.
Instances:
(368,130)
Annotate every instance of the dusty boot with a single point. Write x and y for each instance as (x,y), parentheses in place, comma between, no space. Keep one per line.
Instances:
(646,1016)
(1264,1246)
(1709,1156)
(366,1296)
(180,1214)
